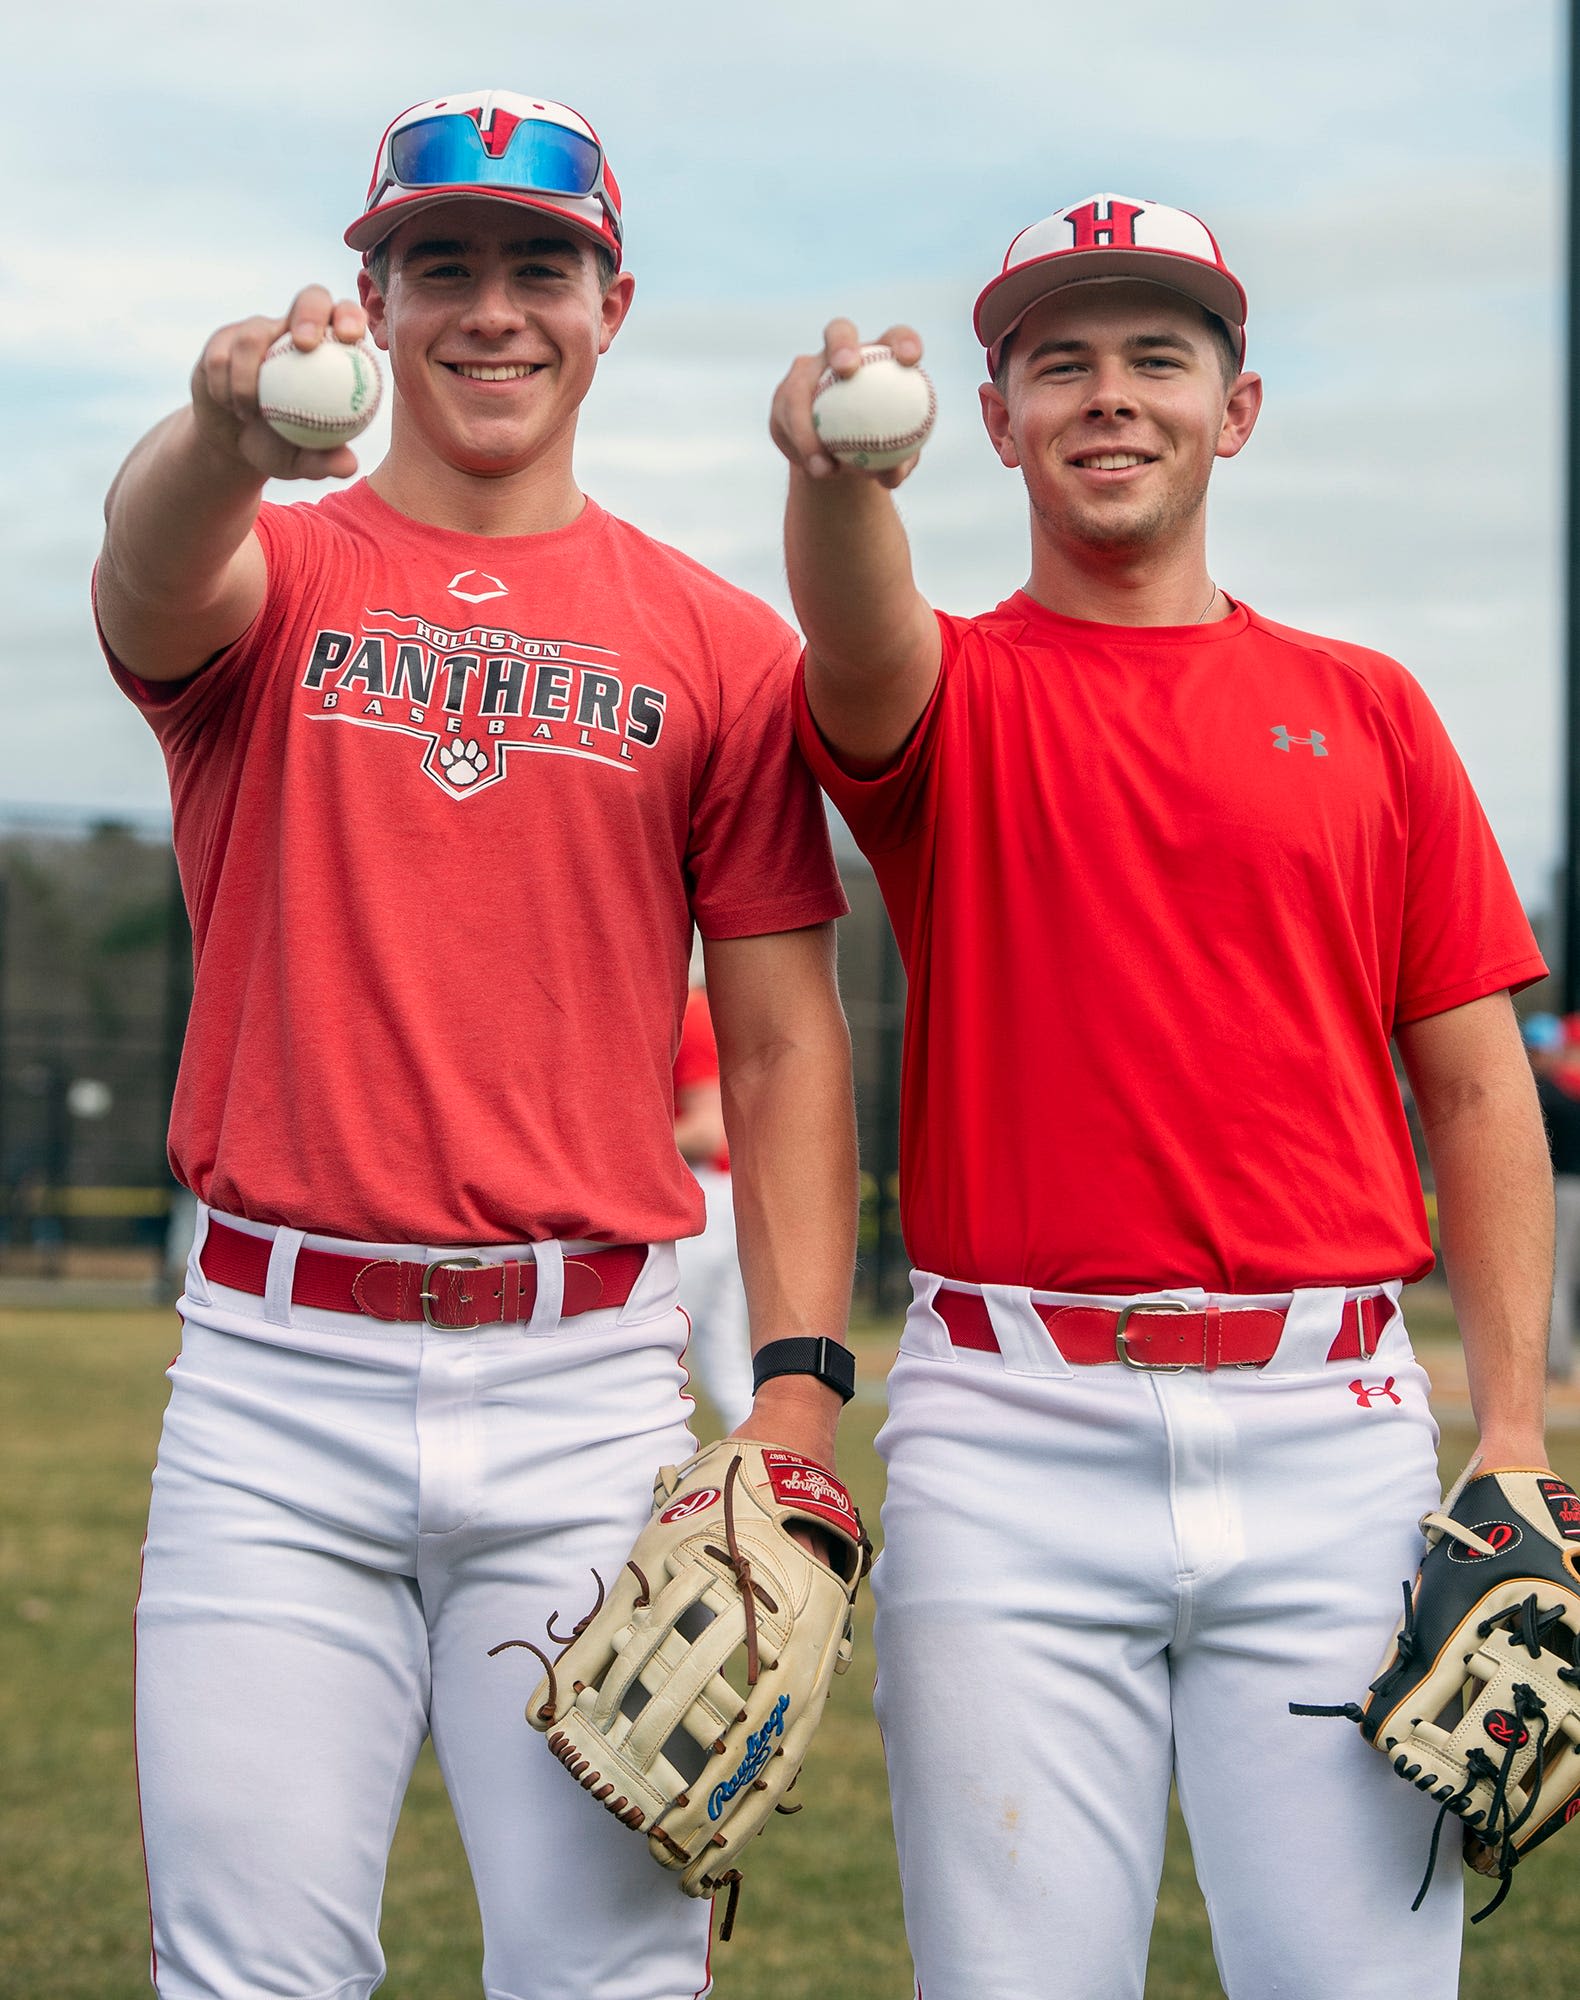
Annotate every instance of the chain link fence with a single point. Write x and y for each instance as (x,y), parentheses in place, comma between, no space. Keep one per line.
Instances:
(95,982)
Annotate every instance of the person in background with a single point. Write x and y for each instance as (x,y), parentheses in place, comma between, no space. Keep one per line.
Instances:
(1552,1059)
(711,1291)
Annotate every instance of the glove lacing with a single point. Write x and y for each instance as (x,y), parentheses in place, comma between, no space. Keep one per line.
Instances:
(1406,1646)
(551,1708)
(1529,1625)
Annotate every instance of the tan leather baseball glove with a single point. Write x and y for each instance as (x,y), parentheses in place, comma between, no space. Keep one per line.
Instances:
(1478,1699)
(686,1699)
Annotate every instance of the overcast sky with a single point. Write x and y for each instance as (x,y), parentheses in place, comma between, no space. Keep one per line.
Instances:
(1384,177)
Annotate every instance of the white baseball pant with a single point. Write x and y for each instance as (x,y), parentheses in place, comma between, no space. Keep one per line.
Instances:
(346,1516)
(1095,1580)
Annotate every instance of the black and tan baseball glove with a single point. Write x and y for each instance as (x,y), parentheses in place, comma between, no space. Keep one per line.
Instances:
(685,1700)
(1478,1699)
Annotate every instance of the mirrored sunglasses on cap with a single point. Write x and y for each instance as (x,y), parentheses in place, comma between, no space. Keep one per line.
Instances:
(533,156)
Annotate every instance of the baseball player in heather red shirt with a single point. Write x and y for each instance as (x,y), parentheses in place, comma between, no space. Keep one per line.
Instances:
(457,760)
(1167,878)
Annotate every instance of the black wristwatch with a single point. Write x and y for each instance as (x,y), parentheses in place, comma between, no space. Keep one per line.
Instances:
(831,1361)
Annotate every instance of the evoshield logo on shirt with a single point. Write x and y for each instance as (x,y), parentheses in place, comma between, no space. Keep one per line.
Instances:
(458,692)
(483,586)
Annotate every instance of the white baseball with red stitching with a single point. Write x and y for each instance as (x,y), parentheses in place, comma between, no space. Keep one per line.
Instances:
(878,417)
(322,396)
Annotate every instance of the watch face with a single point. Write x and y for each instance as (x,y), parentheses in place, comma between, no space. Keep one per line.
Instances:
(838,1368)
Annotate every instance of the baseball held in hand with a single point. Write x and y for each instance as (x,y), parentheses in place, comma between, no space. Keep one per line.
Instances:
(319,397)
(878,417)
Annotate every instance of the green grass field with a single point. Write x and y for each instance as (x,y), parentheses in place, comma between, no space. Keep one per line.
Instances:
(820,1919)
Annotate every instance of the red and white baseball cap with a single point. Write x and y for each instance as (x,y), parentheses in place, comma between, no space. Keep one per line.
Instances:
(1110,236)
(500,146)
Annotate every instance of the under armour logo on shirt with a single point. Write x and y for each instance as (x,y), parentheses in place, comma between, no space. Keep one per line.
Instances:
(1316,742)
(1364,1392)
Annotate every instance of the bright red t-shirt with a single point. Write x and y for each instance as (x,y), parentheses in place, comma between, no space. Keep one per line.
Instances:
(697,1058)
(1162,895)
(444,817)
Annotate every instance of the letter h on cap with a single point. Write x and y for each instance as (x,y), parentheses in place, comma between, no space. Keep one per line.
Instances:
(1115,229)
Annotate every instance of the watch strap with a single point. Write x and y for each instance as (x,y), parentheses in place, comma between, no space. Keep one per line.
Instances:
(830,1361)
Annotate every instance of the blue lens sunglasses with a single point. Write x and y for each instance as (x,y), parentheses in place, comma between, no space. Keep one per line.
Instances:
(447,150)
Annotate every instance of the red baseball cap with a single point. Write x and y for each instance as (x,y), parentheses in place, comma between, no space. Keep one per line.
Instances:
(1110,236)
(498,146)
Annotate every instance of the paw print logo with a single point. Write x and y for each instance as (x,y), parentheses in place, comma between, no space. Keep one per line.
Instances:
(463,763)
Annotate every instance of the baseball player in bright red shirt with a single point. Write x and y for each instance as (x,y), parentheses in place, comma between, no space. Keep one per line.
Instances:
(1168,878)
(457,761)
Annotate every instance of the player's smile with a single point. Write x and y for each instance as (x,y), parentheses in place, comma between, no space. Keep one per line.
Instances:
(492,387)
(493,371)
(1109,467)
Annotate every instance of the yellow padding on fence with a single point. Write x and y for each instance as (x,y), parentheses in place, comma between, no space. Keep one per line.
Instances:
(98,1202)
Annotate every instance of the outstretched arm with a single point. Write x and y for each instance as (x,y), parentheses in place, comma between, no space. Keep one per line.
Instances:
(181,575)
(784,1064)
(1495,1212)
(872,642)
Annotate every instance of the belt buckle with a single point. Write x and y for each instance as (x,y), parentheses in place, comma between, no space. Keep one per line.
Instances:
(430,1299)
(1126,1314)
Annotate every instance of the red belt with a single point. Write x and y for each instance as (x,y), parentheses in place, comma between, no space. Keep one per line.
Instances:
(1160,1334)
(455,1293)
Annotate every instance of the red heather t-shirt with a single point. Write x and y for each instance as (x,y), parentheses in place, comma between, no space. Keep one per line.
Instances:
(1162,895)
(697,1058)
(444,817)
